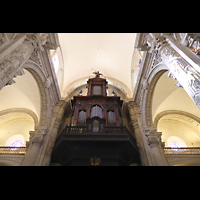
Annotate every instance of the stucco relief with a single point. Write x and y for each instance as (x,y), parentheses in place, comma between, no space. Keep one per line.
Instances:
(185,74)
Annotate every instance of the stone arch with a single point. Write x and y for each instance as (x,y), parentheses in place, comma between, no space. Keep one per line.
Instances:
(152,80)
(187,116)
(188,123)
(20,111)
(40,78)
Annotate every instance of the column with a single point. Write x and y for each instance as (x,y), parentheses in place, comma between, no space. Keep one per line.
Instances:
(53,133)
(34,145)
(42,140)
(156,145)
(149,143)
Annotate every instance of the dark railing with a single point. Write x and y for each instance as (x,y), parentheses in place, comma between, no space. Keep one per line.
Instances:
(116,130)
(111,131)
(83,130)
(75,130)
(13,150)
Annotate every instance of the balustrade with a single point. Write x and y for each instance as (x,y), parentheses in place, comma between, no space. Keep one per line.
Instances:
(13,150)
(182,151)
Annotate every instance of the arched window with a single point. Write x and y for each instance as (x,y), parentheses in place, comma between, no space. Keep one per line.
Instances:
(96,111)
(57,62)
(16,140)
(111,117)
(81,117)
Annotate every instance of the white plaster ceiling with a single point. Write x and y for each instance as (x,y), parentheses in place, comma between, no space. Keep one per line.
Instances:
(109,53)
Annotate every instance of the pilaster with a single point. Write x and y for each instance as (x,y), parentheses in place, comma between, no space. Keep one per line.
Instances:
(156,145)
(42,140)
(34,145)
(136,123)
(149,142)
(50,139)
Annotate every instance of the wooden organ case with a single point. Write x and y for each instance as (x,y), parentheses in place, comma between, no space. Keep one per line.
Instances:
(96,135)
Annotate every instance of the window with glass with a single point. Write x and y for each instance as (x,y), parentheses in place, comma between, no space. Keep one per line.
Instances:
(57,63)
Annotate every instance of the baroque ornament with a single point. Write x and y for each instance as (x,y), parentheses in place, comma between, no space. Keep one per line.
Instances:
(154,137)
(11,64)
(95,161)
(197,94)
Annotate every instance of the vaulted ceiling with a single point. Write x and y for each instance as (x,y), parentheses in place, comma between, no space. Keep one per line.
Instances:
(109,53)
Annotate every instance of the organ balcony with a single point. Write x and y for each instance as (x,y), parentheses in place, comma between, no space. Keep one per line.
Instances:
(76,145)
(96,135)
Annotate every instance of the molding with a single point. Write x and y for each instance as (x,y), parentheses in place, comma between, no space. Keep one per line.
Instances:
(45,98)
(147,105)
(186,118)
(175,112)
(18,112)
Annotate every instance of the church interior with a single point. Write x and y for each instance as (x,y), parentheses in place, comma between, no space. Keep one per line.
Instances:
(99,99)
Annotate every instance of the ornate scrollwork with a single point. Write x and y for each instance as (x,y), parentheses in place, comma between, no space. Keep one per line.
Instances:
(95,161)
